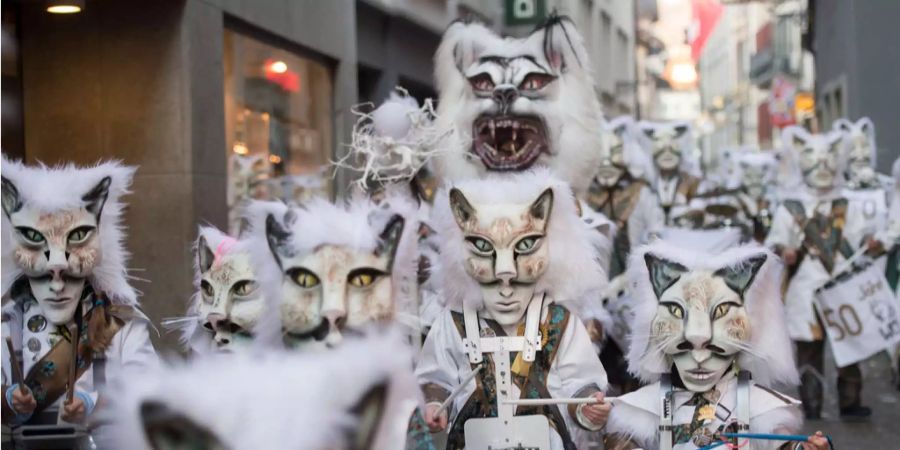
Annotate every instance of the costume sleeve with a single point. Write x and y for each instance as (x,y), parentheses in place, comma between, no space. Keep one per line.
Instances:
(132,350)
(647,218)
(578,366)
(437,370)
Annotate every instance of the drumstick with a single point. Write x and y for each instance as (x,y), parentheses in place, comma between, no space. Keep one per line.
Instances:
(16,368)
(457,391)
(555,401)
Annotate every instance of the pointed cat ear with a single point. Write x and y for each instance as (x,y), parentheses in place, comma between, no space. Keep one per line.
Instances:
(205,255)
(389,239)
(11,201)
(462,210)
(368,412)
(663,273)
(96,197)
(167,429)
(740,276)
(277,236)
(542,207)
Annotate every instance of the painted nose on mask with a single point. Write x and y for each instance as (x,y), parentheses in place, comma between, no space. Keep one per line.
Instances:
(505,266)
(505,95)
(57,260)
(698,331)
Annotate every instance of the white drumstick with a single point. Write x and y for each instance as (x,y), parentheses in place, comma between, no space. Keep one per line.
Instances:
(555,401)
(457,391)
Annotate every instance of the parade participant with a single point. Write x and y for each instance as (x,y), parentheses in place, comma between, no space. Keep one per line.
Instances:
(333,269)
(671,146)
(863,185)
(513,253)
(227,302)
(65,280)
(621,191)
(706,341)
(815,231)
(357,396)
(512,104)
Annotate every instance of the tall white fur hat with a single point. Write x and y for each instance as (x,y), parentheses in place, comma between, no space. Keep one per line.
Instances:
(61,188)
(768,355)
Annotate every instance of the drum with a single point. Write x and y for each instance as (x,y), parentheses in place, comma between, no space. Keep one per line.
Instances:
(43,432)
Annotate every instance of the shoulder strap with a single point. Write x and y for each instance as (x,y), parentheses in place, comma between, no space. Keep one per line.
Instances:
(665,412)
(797,211)
(743,401)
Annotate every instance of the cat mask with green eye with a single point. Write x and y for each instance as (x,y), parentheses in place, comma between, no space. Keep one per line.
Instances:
(230,301)
(56,250)
(336,271)
(701,321)
(506,251)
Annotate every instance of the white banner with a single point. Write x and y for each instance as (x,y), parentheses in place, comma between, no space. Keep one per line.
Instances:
(860,314)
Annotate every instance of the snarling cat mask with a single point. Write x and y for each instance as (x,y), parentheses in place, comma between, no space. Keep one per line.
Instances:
(670,144)
(620,153)
(818,157)
(336,267)
(229,301)
(517,103)
(705,312)
(63,227)
(859,144)
(304,400)
(504,239)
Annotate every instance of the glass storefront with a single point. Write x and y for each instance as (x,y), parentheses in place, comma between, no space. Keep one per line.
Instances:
(278,124)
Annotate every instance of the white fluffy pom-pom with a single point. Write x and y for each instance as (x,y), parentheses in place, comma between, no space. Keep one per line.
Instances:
(394,117)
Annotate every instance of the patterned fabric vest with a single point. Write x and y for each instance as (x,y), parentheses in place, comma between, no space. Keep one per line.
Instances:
(532,383)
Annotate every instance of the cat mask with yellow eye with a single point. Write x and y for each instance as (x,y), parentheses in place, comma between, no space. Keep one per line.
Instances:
(336,266)
(702,313)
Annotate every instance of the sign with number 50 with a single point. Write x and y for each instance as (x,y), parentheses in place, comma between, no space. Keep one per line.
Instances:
(860,314)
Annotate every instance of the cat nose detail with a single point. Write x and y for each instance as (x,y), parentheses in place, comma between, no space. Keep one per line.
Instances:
(505,95)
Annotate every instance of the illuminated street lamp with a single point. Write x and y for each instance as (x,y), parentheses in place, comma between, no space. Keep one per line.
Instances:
(65,6)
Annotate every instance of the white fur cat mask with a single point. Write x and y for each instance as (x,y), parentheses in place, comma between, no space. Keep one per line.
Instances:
(521,231)
(671,145)
(358,396)
(755,171)
(336,268)
(63,225)
(704,311)
(621,152)
(817,159)
(860,148)
(514,104)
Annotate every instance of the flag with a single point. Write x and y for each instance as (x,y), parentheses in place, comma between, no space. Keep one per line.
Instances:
(706,14)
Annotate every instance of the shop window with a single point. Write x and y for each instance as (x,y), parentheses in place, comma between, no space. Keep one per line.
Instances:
(278,124)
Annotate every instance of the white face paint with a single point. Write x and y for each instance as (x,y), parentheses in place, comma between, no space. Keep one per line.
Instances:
(507,252)
(334,288)
(58,296)
(231,302)
(701,322)
(667,146)
(57,251)
(819,157)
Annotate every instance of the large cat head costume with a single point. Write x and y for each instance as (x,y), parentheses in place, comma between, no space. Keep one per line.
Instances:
(755,171)
(337,268)
(861,150)
(704,312)
(514,104)
(359,396)
(671,145)
(621,153)
(62,227)
(816,160)
(504,239)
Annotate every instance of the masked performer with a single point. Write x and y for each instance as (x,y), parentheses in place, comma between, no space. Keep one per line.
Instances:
(228,301)
(513,104)
(815,232)
(621,190)
(705,340)
(863,184)
(355,397)
(671,145)
(65,278)
(513,252)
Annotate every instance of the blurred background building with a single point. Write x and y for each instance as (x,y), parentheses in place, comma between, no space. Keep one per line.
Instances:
(220,100)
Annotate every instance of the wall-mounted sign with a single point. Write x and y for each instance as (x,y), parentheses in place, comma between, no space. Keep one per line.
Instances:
(525,12)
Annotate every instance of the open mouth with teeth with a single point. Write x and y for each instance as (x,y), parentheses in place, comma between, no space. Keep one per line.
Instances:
(509,142)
